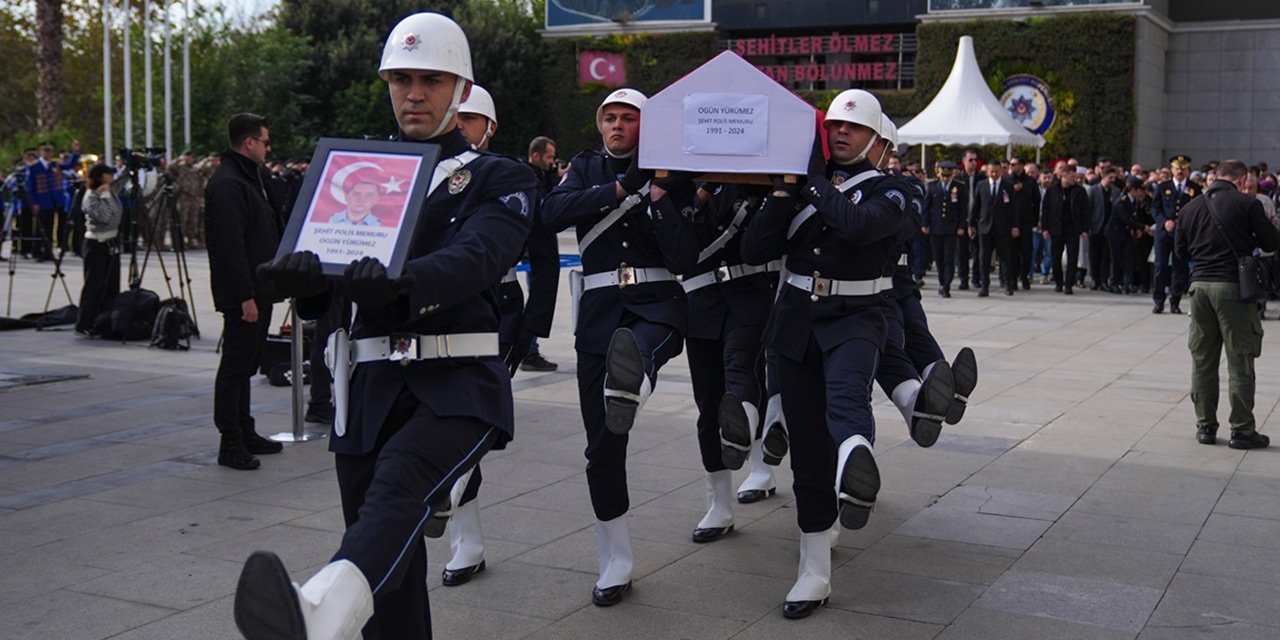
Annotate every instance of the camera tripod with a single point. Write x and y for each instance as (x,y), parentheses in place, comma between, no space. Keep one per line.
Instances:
(58,275)
(164,204)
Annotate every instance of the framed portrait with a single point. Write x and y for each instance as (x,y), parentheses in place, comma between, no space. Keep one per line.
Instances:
(360,198)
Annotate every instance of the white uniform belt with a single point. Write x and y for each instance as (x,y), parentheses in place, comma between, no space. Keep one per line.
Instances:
(726,273)
(625,277)
(407,347)
(510,277)
(902,260)
(823,287)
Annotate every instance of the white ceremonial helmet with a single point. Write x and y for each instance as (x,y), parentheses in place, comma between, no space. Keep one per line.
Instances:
(480,103)
(857,106)
(889,131)
(629,97)
(429,42)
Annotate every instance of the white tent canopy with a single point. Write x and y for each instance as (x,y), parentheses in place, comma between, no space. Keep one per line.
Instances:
(966,112)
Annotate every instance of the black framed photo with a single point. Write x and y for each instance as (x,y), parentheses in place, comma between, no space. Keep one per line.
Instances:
(360,198)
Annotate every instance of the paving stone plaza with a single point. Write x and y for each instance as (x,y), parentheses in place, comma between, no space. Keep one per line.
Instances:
(1071,502)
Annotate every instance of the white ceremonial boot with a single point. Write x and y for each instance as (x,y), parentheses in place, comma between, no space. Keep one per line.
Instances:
(738,421)
(813,580)
(626,385)
(964,370)
(924,404)
(614,546)
(333,605)
(718,522)
(857,481)
(759,484)
(467,542)
(776,441)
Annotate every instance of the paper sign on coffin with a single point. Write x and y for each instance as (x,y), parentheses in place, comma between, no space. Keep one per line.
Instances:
(727,117)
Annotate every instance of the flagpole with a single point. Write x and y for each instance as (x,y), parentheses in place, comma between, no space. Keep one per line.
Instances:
(106,79)
(186,76)
(146,65)
(168,81)
(128,77)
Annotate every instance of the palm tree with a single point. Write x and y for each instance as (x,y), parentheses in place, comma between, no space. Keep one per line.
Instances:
(48,63)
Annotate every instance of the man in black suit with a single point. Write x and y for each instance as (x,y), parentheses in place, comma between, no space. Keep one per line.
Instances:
(242,230)
(1026,215)
(992,222)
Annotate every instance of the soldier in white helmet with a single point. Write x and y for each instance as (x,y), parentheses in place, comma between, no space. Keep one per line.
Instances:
(828,327)
(634,239)
(429,394)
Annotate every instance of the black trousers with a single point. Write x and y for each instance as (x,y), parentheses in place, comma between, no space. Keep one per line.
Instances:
(1123,260)
(242,344)
(895,365)
(1142,270)
(734,363)
(944,255)
(101,280)
(962,258)
(827,398)
(1000,243)
(607,451)
(921,347)
(1099,258)
(1023,253)
(389,493)
(1177,284)
(1070,243)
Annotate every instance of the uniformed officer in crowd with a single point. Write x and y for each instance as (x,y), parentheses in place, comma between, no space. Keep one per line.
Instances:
(1214,231)
(945,220)
(634,238)
(1123,230)
(1063,219)
(47,197)
(992,222)
(188,189)
(1026,215)
(828,328)
(1171,274)
(429,394)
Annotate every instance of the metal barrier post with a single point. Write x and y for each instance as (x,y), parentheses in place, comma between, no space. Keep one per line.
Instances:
(300,433)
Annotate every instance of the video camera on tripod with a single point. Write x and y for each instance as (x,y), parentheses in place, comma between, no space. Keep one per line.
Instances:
(139,159)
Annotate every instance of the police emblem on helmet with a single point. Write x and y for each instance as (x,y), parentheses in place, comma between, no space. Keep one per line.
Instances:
(850,105)
(411,41)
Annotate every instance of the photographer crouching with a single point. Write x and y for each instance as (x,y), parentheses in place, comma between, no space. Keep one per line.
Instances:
(102,212)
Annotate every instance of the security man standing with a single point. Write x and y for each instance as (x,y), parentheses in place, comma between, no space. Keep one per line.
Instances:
(945,217)
(634,238)
(1063,218)
(1214,231)
(429,394)
(828,327)
(1169,199)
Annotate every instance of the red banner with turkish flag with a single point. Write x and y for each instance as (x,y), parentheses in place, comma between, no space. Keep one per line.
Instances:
(600,67)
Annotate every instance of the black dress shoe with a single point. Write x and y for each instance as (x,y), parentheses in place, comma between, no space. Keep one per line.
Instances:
(259,446)
(1009,291)
(946,293)
(1057,288)
(1207,435)
(1068,291)
(321,413)
(942,292)
(1026,284)
(1175,309)
(535,362)
(755,495)
(964,286)
(1250,440)
(609,596)
(1157,309)
(982,293)
(801,609)
(455,577)
(711,534)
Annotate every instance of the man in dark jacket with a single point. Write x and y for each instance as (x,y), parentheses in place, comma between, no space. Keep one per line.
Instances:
(1026,215)
(1213,231)
(992,222)
(1122,230)
(1065,214)
(242,231)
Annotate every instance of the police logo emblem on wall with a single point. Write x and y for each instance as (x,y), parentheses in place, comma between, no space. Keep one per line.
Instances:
(1027,99)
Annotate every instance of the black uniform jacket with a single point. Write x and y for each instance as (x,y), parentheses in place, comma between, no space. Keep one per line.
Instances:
(741,301)
(1066,211)
(904,282)
(1168,200)
(1200,240)
(1126,213)
(664,239)
(993,212)
(852,237)
(462,246)
(946,207)
(243,232)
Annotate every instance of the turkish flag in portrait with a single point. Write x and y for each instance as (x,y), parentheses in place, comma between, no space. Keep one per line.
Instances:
(599,67)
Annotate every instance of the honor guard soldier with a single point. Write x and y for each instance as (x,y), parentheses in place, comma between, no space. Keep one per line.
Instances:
(428,394)
(913,371)
(632,314)
(946,210)
(729,304)
(1170,197)
(828,328)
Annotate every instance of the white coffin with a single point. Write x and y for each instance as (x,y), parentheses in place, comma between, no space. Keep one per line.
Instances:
(727,117)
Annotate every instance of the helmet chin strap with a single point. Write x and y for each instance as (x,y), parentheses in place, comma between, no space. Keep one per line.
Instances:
(453,108)
(488,132)
(620,156)
(867,149)
(883,154)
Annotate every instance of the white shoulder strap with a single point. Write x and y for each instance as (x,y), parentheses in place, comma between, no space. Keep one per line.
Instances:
(728,234)
(612,217)
(808,211)
(447,166)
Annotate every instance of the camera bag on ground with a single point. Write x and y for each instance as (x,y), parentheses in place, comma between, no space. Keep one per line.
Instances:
(131,315)
(173,327)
